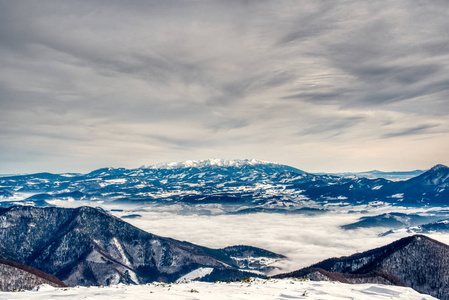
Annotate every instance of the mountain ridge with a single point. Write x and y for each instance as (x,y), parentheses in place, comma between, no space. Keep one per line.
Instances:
(86,246)
(415,261)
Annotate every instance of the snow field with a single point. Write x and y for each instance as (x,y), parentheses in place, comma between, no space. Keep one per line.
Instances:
(252,289)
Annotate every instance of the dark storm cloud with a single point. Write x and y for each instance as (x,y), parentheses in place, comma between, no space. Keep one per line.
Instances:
(174,80)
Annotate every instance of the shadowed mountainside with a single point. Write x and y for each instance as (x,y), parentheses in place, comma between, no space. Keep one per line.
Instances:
(86,246)
(416,261)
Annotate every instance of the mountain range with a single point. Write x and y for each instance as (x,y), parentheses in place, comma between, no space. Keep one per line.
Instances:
(238,186)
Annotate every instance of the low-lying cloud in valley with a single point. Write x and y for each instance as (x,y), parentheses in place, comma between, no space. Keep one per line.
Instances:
(303,239)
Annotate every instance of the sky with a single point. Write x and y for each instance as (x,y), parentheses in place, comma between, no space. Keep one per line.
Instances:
(319,85)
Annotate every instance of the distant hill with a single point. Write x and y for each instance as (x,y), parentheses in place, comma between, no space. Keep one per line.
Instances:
(417,261)
(395,220)
(441,226)
(5,194)
(429,188)
(374,174)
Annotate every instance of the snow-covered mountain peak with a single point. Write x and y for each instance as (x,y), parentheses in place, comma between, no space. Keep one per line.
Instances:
(213,162)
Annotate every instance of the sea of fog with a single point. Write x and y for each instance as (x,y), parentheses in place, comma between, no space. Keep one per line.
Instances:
(303,239)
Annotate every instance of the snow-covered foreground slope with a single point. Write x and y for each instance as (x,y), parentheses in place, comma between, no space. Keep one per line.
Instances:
(255,289)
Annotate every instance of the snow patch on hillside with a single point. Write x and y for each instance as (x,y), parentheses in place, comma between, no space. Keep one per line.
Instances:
(113,181)
(196,274)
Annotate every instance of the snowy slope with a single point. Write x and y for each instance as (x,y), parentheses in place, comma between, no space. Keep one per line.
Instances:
(258,289)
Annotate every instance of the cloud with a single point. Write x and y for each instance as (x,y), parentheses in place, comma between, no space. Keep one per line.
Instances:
(238,78)
(304,240)
(421,129)
(335,127)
